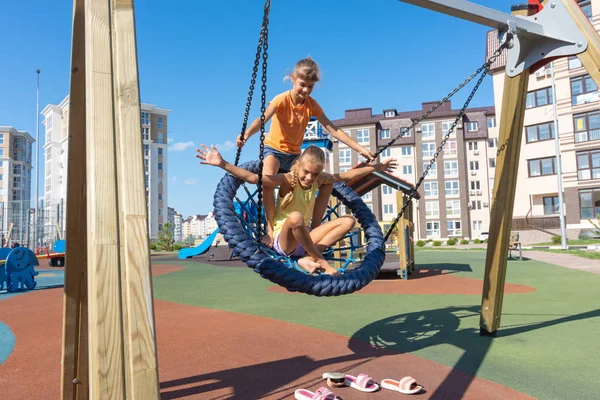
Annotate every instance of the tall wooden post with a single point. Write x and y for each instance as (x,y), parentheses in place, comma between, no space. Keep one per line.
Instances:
(110,217)
(505,183)
(401,236)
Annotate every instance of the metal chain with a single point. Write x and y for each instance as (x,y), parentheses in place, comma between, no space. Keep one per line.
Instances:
(485,68)
(263,107)
(253,80)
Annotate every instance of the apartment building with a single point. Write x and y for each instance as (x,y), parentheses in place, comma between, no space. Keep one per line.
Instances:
(154,133)
(537,206)
(15,183)
(456,191)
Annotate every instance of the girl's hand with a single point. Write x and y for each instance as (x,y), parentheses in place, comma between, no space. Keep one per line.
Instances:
(367,154)
(388,165)
(210,156)
(241,141)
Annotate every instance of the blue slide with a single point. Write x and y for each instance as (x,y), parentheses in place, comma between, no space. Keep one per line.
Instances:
(200,249)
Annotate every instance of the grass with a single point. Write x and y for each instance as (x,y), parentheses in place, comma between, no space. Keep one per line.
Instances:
(570,241)
(463,247)
(593,255)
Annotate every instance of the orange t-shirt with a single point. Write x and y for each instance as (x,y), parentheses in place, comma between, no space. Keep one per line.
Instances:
(289,122)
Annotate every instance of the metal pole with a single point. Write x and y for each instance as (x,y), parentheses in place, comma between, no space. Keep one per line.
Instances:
(37,158)
(563,233)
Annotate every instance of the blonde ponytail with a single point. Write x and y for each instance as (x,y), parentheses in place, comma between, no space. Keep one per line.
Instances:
(290,196)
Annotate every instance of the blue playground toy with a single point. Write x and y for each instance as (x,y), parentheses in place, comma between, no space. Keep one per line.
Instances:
(17,269)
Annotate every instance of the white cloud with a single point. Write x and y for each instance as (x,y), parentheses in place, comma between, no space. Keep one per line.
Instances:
(181,146)
(170,140)
(228,145)
(190,181)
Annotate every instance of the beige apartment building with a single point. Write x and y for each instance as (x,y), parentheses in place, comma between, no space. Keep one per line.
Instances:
(455,194)
(537,206)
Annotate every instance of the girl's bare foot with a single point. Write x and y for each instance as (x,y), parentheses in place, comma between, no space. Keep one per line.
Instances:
(308,264)
(327,269)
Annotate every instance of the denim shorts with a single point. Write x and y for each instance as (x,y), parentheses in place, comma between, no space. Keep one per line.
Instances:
(285,159)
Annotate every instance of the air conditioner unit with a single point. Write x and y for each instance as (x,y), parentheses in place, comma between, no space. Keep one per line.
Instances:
(478,192)
(418,129)
(539,73)
(472,192)
(459,126)
(548,71)
(476,152)
(485,204)
(473,172)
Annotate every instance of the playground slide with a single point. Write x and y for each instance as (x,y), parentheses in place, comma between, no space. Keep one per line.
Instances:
(200,249)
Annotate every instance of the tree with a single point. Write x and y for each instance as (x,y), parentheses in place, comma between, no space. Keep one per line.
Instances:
(165,239)
(596,231)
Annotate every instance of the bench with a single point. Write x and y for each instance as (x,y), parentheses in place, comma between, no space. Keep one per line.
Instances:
(515,244)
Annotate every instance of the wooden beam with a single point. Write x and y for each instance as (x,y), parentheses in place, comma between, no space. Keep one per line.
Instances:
(590,58)
(75,327)
(505,183)
(401,236)
(141,364)
(107,375)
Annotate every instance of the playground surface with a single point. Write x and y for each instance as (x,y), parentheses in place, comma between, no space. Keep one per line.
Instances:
(225,333)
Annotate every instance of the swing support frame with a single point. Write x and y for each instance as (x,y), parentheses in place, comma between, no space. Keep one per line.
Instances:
(537,33)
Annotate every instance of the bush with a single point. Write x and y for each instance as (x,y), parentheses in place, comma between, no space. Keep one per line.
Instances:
(421,243)
(583,236)
(437,243)
(153,246)
(476,241)
(451,242)
(464,241)
(485,241)
(556,239)
(176,247)
(429,240)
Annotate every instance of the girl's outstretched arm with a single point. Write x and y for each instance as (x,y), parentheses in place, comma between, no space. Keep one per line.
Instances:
(255,126)
(211,156)
(342,137)
(388,165)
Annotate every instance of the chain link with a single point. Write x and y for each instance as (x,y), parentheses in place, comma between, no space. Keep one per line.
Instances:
(485,68)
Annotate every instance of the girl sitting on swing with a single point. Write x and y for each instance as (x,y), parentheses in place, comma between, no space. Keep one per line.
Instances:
(296,200)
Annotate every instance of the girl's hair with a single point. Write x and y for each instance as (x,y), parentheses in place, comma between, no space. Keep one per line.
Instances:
(312,154)
(306,69)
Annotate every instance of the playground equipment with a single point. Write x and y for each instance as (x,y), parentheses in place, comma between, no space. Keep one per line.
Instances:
(56,258)
(17,269)
(200,249)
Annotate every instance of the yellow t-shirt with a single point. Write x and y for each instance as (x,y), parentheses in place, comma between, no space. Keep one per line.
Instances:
(289,122)
(303,202)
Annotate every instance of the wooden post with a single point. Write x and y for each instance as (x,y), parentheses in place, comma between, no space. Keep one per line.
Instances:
(401,236)
(107,230)
(411,242)
(590,58)
(505,182)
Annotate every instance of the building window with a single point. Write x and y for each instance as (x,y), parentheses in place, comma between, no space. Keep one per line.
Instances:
(387,189)
(474,165)
(2,152)
(450,169)
(428,149)
(587,126)
(367,196)
(574,62)
(388,208)
(406,150)
(538,98)
(431,189)
(160,151)
(145,118)
(588,165)
(491,122)
(390,113)
(160,123)
(475,185)
(491,162)
(385,133)
(427,131)
(589,201)
(160,137)
(446,125)
(432,209)
(432,172)
(362,136)
(583,90)
(407,169)
(432,229)
(586,7)
(160,196)
(477,225)
(344,156)
(450,150)
(160,165)
(344,169)
(145,133)
(473,146)
(386,153)
(541,132)
(542,166)
(453,208)
(492,142)
(454,228)
(476,205)
(452,188)
(472,126)
(1,138)
(404,132)
(551,205)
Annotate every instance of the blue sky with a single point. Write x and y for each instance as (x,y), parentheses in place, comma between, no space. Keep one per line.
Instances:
(195,58)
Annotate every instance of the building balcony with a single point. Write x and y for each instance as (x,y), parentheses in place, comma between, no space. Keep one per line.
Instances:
(586,136)
(586,174)
(585,98)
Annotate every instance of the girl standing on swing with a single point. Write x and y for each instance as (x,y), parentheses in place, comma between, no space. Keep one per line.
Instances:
(291,112)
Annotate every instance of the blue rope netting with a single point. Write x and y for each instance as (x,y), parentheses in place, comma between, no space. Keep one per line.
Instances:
(245,246)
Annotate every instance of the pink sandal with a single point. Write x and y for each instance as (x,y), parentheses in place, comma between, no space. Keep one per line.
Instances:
(362,382)
(407,385)
(321,393)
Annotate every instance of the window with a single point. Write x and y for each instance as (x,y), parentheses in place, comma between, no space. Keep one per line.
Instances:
(404,132)
(473,146)
(588,165)
(454,228)
(474,165)
(362,136)
(475,185)
(491,162)
(450,150)
(452,188)
(344,169)
(386,153)
(431,189)
(586,7)
(145,133)
(160,196)
(1,138)
(385,133)
(574,62)
(160,123)
(472,126)
(432,172)
(476,205)
(589,201)
(583,90)
(160,151)
(492,142)
(390,113)
(453,208)
(450,169)
(427,131)
(551,205)
(428,149)
(432,229)
(446,125)
(407,169)
(367,196)
(160,137)
(477,225)
(538,98)
(344,156)
(145,118)
(587,126)
(432,209)
(406,150)
(387,189)
(160,165)
(541,132)
(388,208)
(542,166)
(1,151)
(491,122)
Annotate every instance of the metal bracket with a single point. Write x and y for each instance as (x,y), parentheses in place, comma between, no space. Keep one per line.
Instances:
(549,33)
